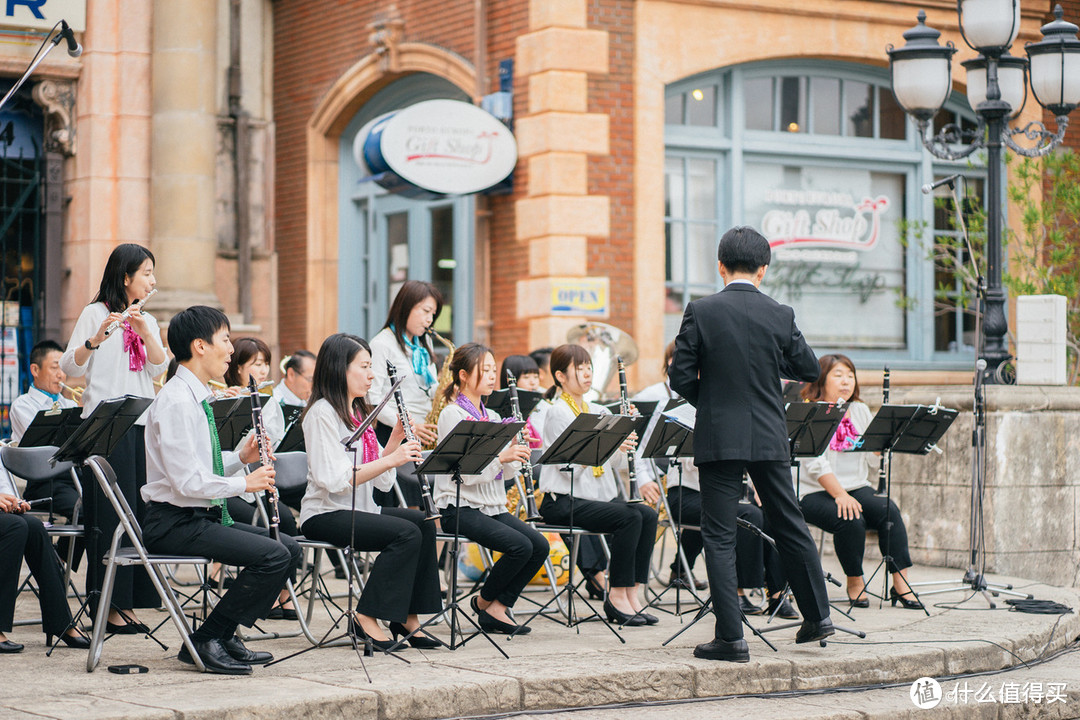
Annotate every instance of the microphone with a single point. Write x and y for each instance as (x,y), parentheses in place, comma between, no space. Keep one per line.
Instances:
(74,48)
(930,187)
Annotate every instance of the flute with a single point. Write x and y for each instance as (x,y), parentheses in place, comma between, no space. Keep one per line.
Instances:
(265,458)
(532,514)
(624,409)
(137,305)
(406,425)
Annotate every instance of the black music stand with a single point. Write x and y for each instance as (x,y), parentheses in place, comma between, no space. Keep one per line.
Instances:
(51,427)
(910,429)
(293,440)
(233,419)
(499,401)
(291,413)
(589,441)
(99,434)
(469,448)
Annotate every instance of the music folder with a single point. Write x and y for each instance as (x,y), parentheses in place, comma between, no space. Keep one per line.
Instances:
(469,448)
(911,429)
(589,440)
(101,431)
(232,415)
(499,401)
(51,427)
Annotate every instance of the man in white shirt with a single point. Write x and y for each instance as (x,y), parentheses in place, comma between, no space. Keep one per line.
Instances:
(44,394)
(295,387)
(187,480)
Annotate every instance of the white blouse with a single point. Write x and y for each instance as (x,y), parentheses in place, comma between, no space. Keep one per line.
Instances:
(330,467)
(107,373)
(384,346)
(26,407)
(586,486)
(852,469)
(486,491)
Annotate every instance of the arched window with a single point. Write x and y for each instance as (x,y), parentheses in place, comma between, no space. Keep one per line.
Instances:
(819,157)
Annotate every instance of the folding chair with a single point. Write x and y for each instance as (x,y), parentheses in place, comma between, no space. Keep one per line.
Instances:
(137,554)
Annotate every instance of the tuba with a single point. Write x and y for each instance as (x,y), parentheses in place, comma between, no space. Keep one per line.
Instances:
(445,380)
(605,344)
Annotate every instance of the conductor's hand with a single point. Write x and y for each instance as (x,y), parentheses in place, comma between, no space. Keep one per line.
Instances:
(261,479)
(427,433)
(847,507)
(650,491)
(515,453)
(629,443)
(404,453)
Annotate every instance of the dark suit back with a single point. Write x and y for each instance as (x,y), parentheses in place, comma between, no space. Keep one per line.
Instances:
(731,352)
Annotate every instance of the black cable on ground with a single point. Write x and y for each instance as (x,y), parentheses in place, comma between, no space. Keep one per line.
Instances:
(1039,607)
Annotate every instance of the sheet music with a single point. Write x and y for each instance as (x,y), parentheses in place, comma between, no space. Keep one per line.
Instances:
(685,415)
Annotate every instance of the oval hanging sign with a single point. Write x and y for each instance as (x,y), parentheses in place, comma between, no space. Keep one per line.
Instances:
(442,146)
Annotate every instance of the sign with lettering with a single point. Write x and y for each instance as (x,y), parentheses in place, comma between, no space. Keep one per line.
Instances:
(586,297)
(43,14)
(441,146)
(808,219)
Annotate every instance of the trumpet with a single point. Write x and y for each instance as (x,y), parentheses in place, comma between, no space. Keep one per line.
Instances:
(430,513)
(624,409)
(137,305)
(75,392)
(532,514)
(265,458)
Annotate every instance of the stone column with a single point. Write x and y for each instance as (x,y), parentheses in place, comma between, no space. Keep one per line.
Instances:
(182,153)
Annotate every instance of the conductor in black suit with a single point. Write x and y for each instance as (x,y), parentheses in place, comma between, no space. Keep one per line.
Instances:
(730,354)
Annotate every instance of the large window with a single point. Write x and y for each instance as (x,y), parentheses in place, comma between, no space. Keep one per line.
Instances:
(820,158)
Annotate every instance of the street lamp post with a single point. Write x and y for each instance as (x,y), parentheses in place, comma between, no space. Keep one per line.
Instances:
(997,87)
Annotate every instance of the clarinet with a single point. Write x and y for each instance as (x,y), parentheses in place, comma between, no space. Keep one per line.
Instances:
(881,478)
(430,512)
(264,453)
(137,305)
(624,409)
(532,514)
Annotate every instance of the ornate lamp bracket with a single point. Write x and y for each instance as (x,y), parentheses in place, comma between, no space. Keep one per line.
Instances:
(57,98)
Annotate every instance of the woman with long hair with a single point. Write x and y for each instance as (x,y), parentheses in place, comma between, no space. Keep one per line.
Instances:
(404,579)
(124,363)
(835,492)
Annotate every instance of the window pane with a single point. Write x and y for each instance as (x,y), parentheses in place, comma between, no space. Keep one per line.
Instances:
(701,106)
(674,191)
(397,240)
(954,323)
(702,189)
(758,98)
(443,264)
(825,93)
(676,253)
(893,120)
(859,109)
(793,104)
(673,109)
(701,245)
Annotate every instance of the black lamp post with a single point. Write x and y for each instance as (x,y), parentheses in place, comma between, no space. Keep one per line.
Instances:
(997,88)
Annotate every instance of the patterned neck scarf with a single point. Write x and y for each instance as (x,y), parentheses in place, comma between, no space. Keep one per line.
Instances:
(368,442)
(135,348)
(596,471)
(845,436)
(421,360)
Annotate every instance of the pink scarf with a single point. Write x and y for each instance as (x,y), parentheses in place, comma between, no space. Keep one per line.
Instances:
(368,442)
(845,436)
(135,347)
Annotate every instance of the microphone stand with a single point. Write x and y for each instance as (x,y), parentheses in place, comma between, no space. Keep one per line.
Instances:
(39,56)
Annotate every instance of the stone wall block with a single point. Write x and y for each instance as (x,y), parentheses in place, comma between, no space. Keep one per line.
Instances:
(558,90)
(563,215)
(566,132)
(557,255)
(562,49)
(558,173)
(556,13)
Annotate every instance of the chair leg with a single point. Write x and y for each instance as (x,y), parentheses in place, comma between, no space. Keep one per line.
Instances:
(97,638)
(172,606)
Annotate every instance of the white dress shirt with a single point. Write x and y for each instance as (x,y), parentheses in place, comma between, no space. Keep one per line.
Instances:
(586,486)
(537,416)
(179,460)
(26,407)
(486,491)
(659,393)
(107,373)
(330,467)
(285,396)
(384,346)
(852,469)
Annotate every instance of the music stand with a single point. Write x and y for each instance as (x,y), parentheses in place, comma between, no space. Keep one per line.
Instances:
(233,419)
(51,427)
(469,448)
(909,429)
(293,440)
(499,401)
(291,413)
(589,441)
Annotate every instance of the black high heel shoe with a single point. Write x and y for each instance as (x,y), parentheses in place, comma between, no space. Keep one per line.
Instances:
(420,641)
(618,617)
(79,642)
(862,602)
(592,585)
(369,642)
(895,597)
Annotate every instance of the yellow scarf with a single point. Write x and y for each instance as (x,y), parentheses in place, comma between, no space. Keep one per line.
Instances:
(596,471)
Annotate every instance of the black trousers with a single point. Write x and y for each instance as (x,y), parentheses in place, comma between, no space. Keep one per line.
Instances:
(632,527)
(244,512)
(24,536)
(132,587)
(523,549)
(849,536)
(756,565)
(60,488)
(721,487)
(406,478)
(266,563)
(404,578)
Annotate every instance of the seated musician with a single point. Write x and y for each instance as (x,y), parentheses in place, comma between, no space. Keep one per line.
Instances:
(482,515)
(836,495)
(187,482)
(295,385)
(45,393)
(404,579)
(632,526)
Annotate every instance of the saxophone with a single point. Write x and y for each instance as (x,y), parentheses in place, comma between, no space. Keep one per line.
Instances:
(445,380)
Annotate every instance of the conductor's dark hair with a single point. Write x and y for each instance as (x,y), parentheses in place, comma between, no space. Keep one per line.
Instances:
(815,391)
(562,359)
(198,322)
(244,349)
(542,356)
(39,352)
(466,358)
(294,360)
(124,261)
(519,365)
(743,249)
(411,294)
(330,380)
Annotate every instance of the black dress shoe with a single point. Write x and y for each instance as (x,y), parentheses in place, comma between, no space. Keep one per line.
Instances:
(79,641)
(11,647)
(215,657)
(593,586)
(421,640)
(126,628)
(618,617)
(747,607)
(730,650)
(239,653)
(898,597)
(280,613)
(812,630)
(650,619)
(862,601)
(782,609)
(369,642)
